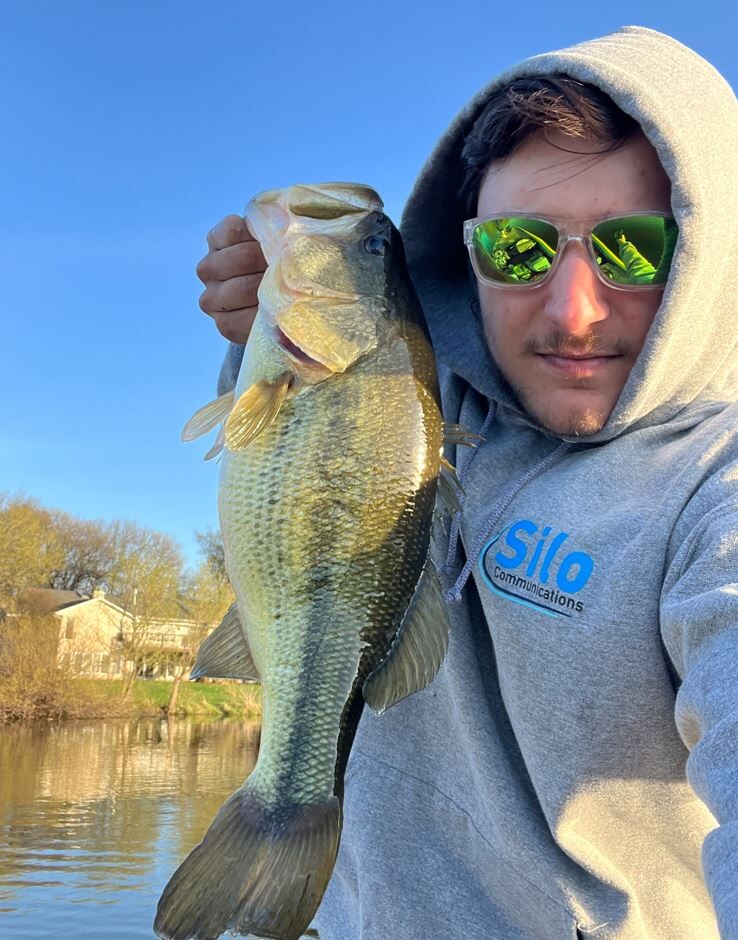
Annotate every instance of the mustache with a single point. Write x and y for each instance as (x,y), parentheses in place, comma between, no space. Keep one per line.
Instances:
(558,343)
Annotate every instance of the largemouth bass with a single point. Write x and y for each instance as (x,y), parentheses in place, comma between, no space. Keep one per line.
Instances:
(331,464)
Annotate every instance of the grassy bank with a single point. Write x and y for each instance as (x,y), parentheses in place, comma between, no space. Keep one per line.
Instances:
(101,698)
(150,696)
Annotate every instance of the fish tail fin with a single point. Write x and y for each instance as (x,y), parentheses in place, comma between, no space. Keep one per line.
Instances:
(259,870)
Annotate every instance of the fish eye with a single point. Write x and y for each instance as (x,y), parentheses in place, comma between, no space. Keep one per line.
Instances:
(374,245)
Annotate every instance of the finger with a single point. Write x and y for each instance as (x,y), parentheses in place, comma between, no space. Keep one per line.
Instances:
(232,261)
(233,294)
(235,325)
(229,231)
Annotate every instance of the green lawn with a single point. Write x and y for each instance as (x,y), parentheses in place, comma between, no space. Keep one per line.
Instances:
(149,697)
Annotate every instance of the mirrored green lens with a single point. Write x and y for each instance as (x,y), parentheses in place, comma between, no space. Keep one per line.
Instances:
(514,250)
(635,249)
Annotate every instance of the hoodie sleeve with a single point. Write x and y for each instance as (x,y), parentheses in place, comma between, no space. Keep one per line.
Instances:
(699,624)
(229,370)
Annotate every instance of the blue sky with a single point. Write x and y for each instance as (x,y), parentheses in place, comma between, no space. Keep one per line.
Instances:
(130,128)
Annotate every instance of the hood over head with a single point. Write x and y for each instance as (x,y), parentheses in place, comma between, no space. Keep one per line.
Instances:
(690,115)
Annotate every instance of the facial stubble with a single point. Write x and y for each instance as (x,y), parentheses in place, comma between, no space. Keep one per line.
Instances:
(583,422)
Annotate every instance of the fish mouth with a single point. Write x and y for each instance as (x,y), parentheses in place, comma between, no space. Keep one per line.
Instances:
(314,290)
(294,350)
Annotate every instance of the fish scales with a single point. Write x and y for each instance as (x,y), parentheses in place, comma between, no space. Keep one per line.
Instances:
(328,484)
(343,596)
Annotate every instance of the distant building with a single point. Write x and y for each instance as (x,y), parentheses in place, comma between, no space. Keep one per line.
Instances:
(94,634)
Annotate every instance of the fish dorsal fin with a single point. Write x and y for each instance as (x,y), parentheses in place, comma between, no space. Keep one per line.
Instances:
(439,530)
(225,654)
(255,410)
(205,418)
(449,470)
(449,488)
(460,434)
(418,649)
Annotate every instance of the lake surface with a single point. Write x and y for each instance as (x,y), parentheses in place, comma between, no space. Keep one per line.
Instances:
(95,816)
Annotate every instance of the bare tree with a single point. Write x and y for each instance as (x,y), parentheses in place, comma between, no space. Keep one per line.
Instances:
(88,553)
(207,596)
(145,579)
(211,548)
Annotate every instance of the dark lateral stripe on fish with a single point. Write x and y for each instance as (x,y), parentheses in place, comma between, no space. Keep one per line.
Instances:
(306,727)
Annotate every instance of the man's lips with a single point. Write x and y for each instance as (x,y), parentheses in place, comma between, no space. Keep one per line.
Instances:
(579,366)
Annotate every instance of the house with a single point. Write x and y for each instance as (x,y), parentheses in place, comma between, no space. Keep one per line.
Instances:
(96,635)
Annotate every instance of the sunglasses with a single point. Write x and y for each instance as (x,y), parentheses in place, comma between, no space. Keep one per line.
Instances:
(629,252)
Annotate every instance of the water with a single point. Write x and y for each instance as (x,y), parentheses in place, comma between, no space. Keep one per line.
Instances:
(95,817)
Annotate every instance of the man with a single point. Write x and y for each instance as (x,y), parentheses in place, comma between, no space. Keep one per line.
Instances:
(573,770)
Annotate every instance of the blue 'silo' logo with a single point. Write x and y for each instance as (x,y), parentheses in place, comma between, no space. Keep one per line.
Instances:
(524,564)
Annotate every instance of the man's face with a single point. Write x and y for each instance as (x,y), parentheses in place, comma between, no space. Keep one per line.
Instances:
(567,347)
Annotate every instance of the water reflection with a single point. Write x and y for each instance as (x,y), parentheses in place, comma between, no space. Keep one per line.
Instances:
(95,816)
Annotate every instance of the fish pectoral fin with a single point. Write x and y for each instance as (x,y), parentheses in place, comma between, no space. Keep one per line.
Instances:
(225,654)
(205,418)
(418,649)
(255,410)
(460,434)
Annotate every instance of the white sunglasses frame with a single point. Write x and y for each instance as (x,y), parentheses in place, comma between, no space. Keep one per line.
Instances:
(568,231)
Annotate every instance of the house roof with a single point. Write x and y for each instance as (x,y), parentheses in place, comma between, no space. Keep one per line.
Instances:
(46,600)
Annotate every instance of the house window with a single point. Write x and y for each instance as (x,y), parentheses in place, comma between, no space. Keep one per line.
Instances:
(69,629)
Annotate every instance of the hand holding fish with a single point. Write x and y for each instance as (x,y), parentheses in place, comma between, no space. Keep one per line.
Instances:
(231,272)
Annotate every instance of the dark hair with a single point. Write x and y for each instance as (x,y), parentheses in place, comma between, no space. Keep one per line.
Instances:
(531,107)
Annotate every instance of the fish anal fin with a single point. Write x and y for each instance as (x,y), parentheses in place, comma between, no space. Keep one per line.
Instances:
(255,410)
(418,649)
(225,654)
(205,418)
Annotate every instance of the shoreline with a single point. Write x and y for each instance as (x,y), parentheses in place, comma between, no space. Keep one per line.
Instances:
(77,698)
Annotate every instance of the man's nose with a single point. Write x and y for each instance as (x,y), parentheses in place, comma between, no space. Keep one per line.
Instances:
(575,296)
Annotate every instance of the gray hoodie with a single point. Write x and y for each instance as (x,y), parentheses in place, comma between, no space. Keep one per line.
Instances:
(573,769)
